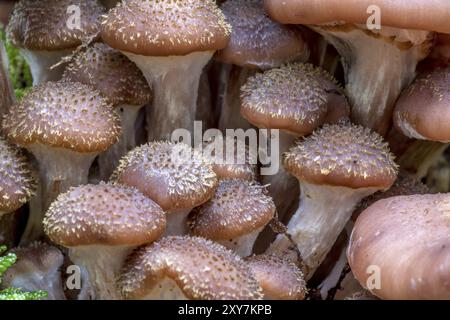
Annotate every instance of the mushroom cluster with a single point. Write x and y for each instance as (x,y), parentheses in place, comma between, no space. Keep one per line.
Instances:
(225,150)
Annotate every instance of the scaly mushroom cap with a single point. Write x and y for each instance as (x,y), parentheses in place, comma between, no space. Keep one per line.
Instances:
(241,166)
(17,185)
(166,27)
(279,278)
(63,114)
(111,73)
(422,111)
(238,207)
(407,239)
(256,40)
(202,269)
(44,24)
(103,214)
(343,155)
(292,98)
(174,175)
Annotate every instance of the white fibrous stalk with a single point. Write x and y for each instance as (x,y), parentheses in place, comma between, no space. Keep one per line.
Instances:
(175,81)
(378,66)
(109,160)
(322,215)
(243,245)
(100,267)
(41,63)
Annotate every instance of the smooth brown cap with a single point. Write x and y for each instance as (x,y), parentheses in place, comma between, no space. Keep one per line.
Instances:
(422,111)
(17,185)
(63,114)
(256,40)
(104,214)
(295,98)
(280,279)
(45,24)
(166,27)
(412,14)
(111,73)
(343,155)
(202,269)
(239,207)
(171,181)
(406,241)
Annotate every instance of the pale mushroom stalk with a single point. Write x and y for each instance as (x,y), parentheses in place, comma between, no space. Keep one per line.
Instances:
(177,222)
(243,245)
(175,81)
(7,97)
(322,215)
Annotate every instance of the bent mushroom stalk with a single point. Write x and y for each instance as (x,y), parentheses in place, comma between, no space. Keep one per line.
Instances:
(170,270)
(122,83)
(65,125)
(45,41)
(378,63)
(171,48)
(337,166)
(175,176)
(100,225)
(257,43)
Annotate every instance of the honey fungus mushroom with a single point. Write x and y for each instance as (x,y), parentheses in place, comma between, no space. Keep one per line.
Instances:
(175,176)
(234,216)
(100,225)
(65,125)
(183,267)
(171,42)
(45,31)
(337,166)
(122,83)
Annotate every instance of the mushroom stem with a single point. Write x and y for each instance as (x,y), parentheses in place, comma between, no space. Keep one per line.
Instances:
(377,69)
(230,109)
(7,97)
(101,267)
(175,81)
(40,63)
(177,222)
(242,246)
(109,160)
(317,223)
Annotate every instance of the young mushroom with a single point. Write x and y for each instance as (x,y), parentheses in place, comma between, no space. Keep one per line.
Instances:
(175,176)
(379,61)
(399,247)
(234,216)
(171,42)
(38,267)
(256,43)
(337,166)
(180,268)
(100,225)
(45,31)
(295,99)
(122,83)
(279,278)
(65,125)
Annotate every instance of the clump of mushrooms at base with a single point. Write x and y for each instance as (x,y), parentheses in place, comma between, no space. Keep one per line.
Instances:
(103,167)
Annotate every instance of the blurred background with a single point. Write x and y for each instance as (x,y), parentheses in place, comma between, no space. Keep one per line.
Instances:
(5,10)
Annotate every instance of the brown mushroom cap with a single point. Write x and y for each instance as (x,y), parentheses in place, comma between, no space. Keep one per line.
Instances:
(42,24)
(407,238)
(422,111)
(280,279)
(238,207)
(63,114)
(256,40)
(103,214)
(294,98)
(203,270)
(166,27)
(173,183)
(111,73)
(343,155)
(17,185)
